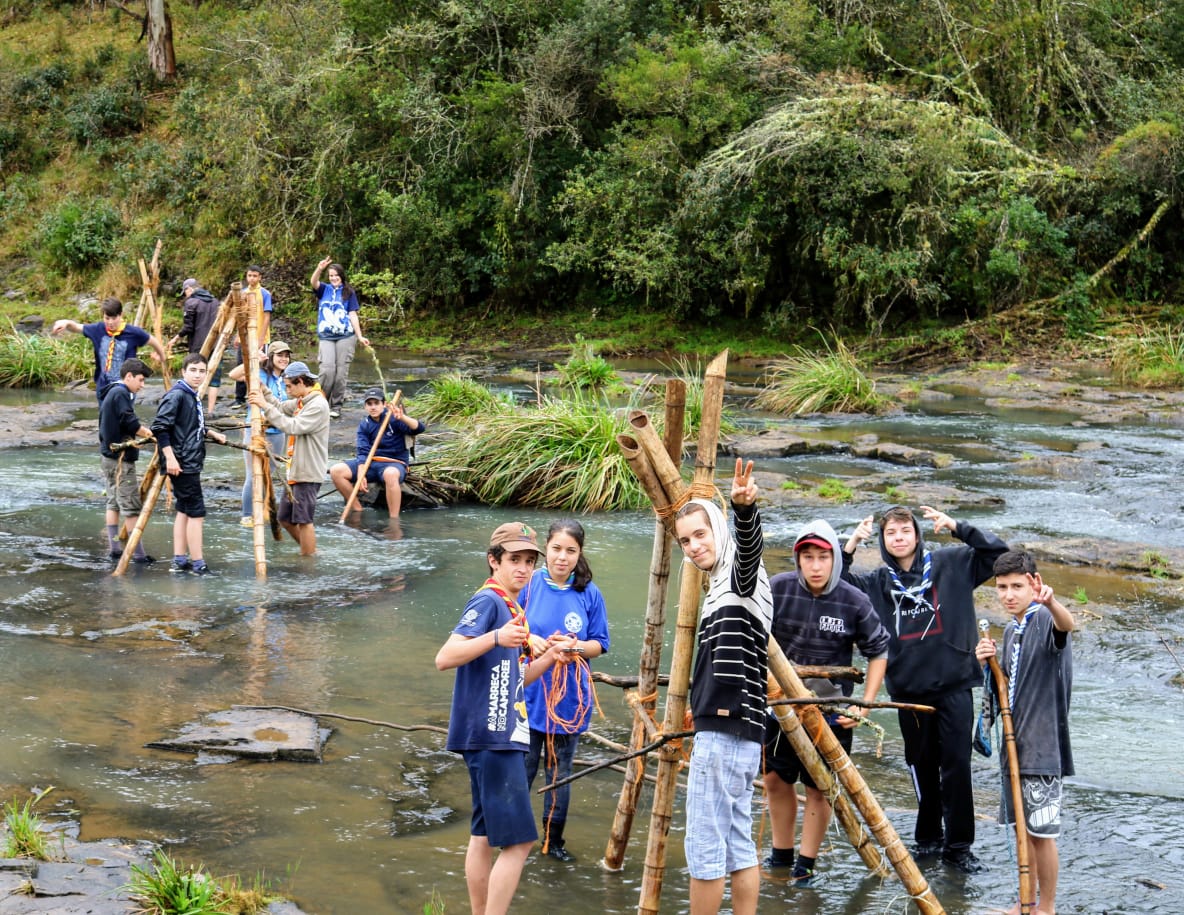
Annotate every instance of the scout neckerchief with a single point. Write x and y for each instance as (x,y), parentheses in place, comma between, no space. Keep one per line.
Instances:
(1013,665)
(290,450)
(111,343)
(915,594)
(517,615)
(557,585)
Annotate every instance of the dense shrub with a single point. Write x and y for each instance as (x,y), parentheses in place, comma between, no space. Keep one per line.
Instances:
(79,234)
(104,111)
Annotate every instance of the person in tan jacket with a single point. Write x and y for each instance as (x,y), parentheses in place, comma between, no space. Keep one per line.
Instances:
(304,419)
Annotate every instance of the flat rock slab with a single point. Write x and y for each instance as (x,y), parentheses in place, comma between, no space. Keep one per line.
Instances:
(252,734)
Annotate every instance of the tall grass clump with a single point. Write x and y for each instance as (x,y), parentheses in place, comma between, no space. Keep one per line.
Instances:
(1150,358)
(585,369)
(34,361)
(828,382)
(456,396)
(561,454)
(167,888)
(26,835)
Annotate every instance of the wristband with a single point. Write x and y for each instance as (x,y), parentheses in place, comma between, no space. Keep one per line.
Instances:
(495,644)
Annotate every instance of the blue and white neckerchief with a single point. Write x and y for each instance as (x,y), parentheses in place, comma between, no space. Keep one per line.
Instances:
(916,594)
(1013,664)
(558,586)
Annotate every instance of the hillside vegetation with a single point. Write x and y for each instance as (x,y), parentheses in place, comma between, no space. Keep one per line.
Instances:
(871,165)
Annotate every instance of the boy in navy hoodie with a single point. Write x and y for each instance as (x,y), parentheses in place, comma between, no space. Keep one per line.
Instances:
(817,620)
(925,599)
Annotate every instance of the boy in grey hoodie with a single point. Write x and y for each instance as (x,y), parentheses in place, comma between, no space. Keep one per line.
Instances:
(817,619)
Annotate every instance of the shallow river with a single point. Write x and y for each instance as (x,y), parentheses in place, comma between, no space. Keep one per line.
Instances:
(92,668)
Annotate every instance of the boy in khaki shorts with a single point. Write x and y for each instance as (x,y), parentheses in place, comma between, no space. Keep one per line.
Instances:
(117,423)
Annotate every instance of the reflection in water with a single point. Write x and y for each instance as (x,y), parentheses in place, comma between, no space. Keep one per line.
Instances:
(92,668)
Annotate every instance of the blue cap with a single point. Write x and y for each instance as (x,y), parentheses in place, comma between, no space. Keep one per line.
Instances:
(299,370)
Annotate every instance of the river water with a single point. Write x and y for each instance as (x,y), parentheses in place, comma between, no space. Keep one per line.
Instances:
(92,668)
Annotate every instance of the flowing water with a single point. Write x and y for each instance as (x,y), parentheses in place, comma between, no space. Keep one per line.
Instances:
(92,668)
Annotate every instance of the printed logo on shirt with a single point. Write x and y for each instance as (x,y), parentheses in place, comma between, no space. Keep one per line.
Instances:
(469,618)
(830,624)
(499,697)
(572,623)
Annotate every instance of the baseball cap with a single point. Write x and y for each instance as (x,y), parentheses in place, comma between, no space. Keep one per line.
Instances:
(811,538)
(300,370)
(515,536)
(189,283)
(374,394)
(278,346)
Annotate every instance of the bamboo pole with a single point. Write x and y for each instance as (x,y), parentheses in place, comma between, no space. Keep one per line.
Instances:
(832,751)
(149,503)
(824,781)
(685,630)
(805,671)
(651,647)
(247,319)
(1027,890)
(665,469)
(386,419)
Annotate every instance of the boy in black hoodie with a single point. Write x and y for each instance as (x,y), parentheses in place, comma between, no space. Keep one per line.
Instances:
(926,601)
(818,619)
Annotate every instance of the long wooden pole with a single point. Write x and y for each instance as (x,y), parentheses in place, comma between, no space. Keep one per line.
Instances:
(386,419)
(651,645)
(836,757)
(247,319)
(1027,889)
(149,503)
(684,644)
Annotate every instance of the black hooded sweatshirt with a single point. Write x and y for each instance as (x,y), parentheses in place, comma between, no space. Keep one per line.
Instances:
(932,648)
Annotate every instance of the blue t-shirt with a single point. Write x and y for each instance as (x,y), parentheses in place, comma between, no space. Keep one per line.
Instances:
(488,708)
(333,312)
(570,612)
(125,344)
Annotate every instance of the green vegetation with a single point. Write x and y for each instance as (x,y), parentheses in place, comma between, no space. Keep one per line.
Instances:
(690,372)
(561,453)
(835,490)
(670,175)
(1157,564)
(435,905)
(457,396)
(1150,357)
(585,369)
(1080,596)
(26,837)
(828,382)
(791,485)
(35,361)
(168,888)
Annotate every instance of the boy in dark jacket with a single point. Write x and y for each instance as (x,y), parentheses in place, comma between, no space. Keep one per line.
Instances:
(389,466)
(199,311)
(817,620)
(180,430)
(728,693)
(926,601)
(118,423)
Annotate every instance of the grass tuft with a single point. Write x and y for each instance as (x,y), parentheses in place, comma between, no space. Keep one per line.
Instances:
(457,396)
(27,837)
(1150,358)
(34,361)
(585,369)
(168,888)
(828,382)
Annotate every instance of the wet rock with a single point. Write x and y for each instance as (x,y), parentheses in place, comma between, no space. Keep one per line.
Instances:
(1155,561)
(253,734)
(30,324)
(781,443)
(903,454)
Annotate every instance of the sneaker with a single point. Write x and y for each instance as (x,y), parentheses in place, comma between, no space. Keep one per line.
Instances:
(769,864)
(334,414)
(181,566)
(802,876)
(926,849)
(247,522)
(144,560)
(202,569)
(963,860)
(115,555)
(559,853)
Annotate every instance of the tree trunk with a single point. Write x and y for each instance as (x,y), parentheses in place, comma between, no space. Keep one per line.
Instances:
(159,27)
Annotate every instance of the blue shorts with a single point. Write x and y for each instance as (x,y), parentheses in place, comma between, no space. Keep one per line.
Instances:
(501,797)
(376,470)
(719,805)
(188,496)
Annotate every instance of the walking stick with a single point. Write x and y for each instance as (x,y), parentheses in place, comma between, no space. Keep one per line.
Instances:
(386,420)
(1017,796)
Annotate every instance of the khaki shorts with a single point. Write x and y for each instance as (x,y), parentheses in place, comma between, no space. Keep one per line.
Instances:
(123,488)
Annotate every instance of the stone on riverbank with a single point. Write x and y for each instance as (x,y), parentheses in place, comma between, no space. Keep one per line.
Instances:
(252,734)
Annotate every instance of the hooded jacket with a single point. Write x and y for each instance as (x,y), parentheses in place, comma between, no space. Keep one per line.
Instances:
(934,631)
(180,424)
(823,629)
(728,684)
(199,310)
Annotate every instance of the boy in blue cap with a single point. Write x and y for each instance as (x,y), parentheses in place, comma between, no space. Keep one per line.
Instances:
(389,465)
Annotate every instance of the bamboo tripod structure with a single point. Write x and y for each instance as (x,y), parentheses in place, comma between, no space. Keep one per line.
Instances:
(149,305)
(386,421)
(1027,890)
(651,462)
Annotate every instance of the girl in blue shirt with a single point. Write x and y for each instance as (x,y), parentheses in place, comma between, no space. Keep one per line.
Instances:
(562,603)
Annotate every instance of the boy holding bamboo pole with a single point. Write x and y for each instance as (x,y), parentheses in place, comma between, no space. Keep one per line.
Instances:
(117,423)
(388,466)
(728,689)
(1037,661)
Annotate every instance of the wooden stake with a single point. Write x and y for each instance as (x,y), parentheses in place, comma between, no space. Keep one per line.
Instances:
(247,319)
(149,503)
(651,646)
(832,751)
(386,419)
(1027,890)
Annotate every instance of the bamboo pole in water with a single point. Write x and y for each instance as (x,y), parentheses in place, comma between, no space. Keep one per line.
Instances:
(832,751)
(247,318)
(824,781)
(644,702)
(684,645)
(149,502)
(386,420)
(1027,890)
